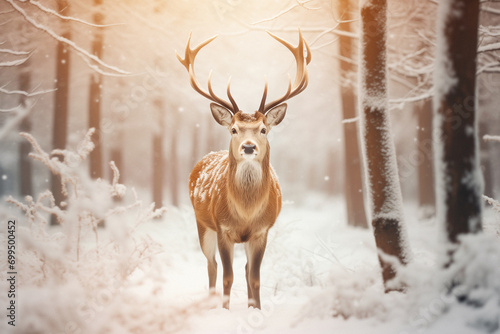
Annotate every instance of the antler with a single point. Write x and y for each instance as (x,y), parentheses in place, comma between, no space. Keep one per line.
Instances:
(301,77)
(188,63)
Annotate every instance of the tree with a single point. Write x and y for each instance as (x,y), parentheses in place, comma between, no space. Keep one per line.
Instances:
(61,101)
(426,189)
(458,174)
(353,186)
(173,183)
(382,174)
(25,170)
(158,165)
(95,98)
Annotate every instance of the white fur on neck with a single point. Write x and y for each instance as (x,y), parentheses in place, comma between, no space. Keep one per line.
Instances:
(248,173)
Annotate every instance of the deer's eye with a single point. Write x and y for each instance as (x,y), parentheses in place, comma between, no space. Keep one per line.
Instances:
(233,131)
(263,131)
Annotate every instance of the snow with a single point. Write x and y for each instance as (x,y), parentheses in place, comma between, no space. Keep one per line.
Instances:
(318,276)
(214,168)
(491,138)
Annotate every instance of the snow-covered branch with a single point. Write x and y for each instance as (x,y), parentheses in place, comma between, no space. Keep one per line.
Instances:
(13,62)
(117,190)
(21,112)
(7,110)
(22,92)
(64,40)
(13,52)
(286,10)
(494,203)
(69,18)
(491,138)
(489,47)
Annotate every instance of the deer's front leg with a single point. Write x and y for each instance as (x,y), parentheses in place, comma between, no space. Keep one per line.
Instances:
(254,250)
(226,248)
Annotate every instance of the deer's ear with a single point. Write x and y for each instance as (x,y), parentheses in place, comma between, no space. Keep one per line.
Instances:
(276,115)
(222,115)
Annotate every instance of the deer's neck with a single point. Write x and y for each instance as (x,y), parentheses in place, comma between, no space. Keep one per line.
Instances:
(248,182)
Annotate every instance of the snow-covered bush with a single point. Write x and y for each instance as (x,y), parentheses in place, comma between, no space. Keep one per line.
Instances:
(463,297)
(76,278)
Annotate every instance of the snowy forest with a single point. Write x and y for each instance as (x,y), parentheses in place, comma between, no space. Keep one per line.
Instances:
(387,160)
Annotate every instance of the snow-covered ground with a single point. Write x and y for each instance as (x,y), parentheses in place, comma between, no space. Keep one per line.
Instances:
(318,276)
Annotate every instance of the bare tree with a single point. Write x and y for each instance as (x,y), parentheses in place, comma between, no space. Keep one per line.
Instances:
(173,183)
(25,168)
(61,96)
(458,173)
(158,163)
(353,185)
(95,159)
(382,174)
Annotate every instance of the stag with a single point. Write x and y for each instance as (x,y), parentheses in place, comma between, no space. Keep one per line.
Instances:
(235,194)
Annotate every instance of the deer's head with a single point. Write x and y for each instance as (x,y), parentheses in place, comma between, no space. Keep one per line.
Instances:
(249,131)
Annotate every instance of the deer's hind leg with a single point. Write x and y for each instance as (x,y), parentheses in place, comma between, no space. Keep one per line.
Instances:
(208,243)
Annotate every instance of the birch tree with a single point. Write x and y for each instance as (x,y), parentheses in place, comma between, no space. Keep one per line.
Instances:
(458,175)
(382,174)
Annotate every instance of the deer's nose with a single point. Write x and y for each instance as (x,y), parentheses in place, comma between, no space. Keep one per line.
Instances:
(249,148)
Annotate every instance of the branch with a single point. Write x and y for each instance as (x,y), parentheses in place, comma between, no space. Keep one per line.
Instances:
(13,63)
(69,18)
(117,190)
(489,47)
(22,92)
(13,52)
(98,70)
(7,110)
(491,138)
(284,11)
(64,40)
(494,203)
(490,10)
(13,122)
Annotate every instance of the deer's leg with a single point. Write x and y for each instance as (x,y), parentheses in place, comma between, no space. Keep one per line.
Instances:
(226,249)
(251,301)
(208,242)
(255,252)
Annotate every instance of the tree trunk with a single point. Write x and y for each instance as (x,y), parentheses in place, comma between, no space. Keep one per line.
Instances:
(195,153)
(383,182)
(158,168)
(353,185)
(95,157)
(60,122)
(173,161)
(210,134)
(25,167)
(458,173)
(426,189)
(485,158)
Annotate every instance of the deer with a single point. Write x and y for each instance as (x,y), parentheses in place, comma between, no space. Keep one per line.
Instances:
(235,193)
